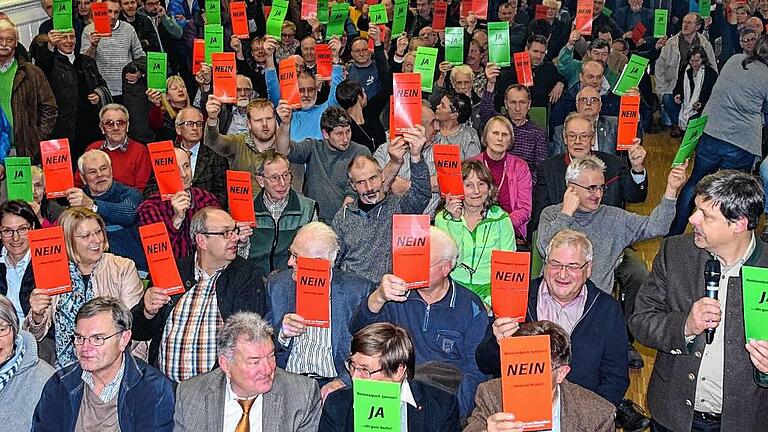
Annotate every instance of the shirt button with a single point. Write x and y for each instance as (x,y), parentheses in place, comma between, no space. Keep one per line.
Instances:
(691,376)
(688,402)
(697,354)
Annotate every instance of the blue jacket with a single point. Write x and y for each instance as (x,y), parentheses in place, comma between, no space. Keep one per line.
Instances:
(598,345)
(145,401)
(181,7)
(6,135)
(347,291)
(447,331)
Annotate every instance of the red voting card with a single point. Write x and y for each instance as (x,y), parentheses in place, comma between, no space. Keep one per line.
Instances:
(313,291)
(308,9)
(480,8)
(391,118)
(410,249)
(407,102)
(50,264)
(101,23)
(240,194)
(510,273)
(465,8)
(324,60)
(198,55)
(224,77)
(448,167)
(523,68)
(166,169)
(239,20)
(57,167)
(637,33)
(162,264)
(584,17)
(629,116)
(439,15)
(526,380)
(289,83)
(541,12)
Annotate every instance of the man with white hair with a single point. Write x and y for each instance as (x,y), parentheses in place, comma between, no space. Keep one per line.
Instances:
(447,321)
(316,352)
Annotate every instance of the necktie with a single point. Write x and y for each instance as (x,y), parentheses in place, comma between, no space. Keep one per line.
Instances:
(244,425)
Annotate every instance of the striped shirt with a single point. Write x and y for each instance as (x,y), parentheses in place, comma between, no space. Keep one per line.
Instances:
(109,391)
(188,346)
(113,53)
(312,353)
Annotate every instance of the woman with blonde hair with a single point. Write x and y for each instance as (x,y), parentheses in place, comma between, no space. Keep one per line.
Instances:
(166,107)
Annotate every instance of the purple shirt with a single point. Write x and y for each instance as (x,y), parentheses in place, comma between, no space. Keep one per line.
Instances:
(547,308)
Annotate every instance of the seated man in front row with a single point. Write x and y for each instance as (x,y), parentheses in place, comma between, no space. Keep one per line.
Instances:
(446,320)
(248,391)
(574,408)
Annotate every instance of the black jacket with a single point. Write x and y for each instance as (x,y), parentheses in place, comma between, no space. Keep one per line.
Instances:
(27,285)
(239,288)
(145,30)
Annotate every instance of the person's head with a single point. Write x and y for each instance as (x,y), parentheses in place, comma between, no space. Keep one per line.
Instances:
(215,235)
(762,5)
(85,235)
(408,62)
(462,78)
(741,12)
(152,7)
(389,5)
(9,37)
(176,93)
(128,7)
(480,37)
(273,174)
(83,8)
(454,108)
(47,6)
(16,220)
(424,8)
(507,12)
(335,127)
(443,256)
(591,74)
(429,35)
(190,125)
(756,24)
(113,10)
(9,328)
(429,121)
(365,177)
(588,103)
(597,7)
(96,171)
(578,134)
(691,24)
(517,101)
(307,89)
(350,93)
(262,124)
(38,184)
(537,49)
(620,45)
(728,207)
(246,354)
(498,137)
(553,9)
(257,50)
(382,352)
(747,39)
(307,48)
(66,44)
(287,33)
(474,56)
(361,55)
(599,50)
(479,189)
(185,167)
(313,240)
(697,57)
(113,122)
(758,54)
(585,174)
(244,90)
(559,346)
(568,264)
(102,334)
(604,33)
(635,5)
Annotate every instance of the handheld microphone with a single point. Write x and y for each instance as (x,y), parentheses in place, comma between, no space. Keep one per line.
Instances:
(712,280)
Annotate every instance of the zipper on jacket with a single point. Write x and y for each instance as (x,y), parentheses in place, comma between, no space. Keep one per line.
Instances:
(426,319)
(275,238)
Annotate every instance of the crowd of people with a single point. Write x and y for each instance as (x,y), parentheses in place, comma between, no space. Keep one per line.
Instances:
(540,170)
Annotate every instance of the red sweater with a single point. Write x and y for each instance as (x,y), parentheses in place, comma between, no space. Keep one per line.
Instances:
(130,167)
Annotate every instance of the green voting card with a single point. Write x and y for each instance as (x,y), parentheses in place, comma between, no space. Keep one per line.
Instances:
(690,140)
(498,43)
(276,18)
(213,11)
(631,75)
(398,21)
(376,405)
(705,7)
(426,60)
(339,14)
(18,171)
(378,14)
(322,11)
(754,288)
(538,115)
(62,15)
(157,64)
(607,12)
(454,45)
(214,40)
(660,23)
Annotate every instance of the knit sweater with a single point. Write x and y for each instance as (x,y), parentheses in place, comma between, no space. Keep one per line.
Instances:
(610,229)
(117,206)
(114,53)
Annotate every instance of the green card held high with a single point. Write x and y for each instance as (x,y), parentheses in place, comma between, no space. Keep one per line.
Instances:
(276,17)
(498,43)
(157,66)
(18,172)
(705,8)
(213,11)
(322,11)
(631,75)
(214,40)
(378,14)
(690,140)
(754,282)
(454,45)
(660,23)
(425,63)
(398,21)
(376,405)
(339,14)
(62,15)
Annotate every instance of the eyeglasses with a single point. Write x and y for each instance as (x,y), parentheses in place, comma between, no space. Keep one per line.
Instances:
(227,233)
(307,90)
(5,330)
(592,188)
(588,100)
(97,340)
(570,268)
(9,233)
(114,123)
(274,179)
(244,90)
(364,372)
(87,236)
(748,40)
(190,123)
(579,137)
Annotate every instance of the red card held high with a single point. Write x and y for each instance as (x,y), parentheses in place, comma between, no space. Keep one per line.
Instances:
(407,102)
(50,264)
(410,249)
(224,77)
(198,55)
(584,17)
(166,169)
(240,196)
(510,273)
(57,167)
(308,9)
(523,68)
(289,83)
(541,12)
(101,22)
(637,32)
(162,264)
(526,380)
(313,291)
(324,60)
(629,116)
(440,12)
(239,20)
(448,166)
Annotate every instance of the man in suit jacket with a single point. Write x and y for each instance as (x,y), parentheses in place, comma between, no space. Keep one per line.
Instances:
(695,385)
(589,104)
(384,352)
(297,340)
(247,382)
(574,408)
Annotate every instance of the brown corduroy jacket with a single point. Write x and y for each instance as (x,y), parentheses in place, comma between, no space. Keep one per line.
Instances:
(34,109)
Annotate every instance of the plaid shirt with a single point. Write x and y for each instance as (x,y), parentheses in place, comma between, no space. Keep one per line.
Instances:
(110,390)
(153,209)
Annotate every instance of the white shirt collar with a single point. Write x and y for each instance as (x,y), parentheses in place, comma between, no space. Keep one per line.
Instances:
(406,396)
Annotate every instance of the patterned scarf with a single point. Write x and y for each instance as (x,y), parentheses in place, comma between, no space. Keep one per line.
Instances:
(8,371)
(64,318)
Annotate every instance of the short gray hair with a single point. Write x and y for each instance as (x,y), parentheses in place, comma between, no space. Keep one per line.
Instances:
(579,165)
(8,314)
(572,238)
(91,154)
(198,223)
(324,234)
(114,107)
(179,121)
(121,316)
(246,325)
(450,251)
